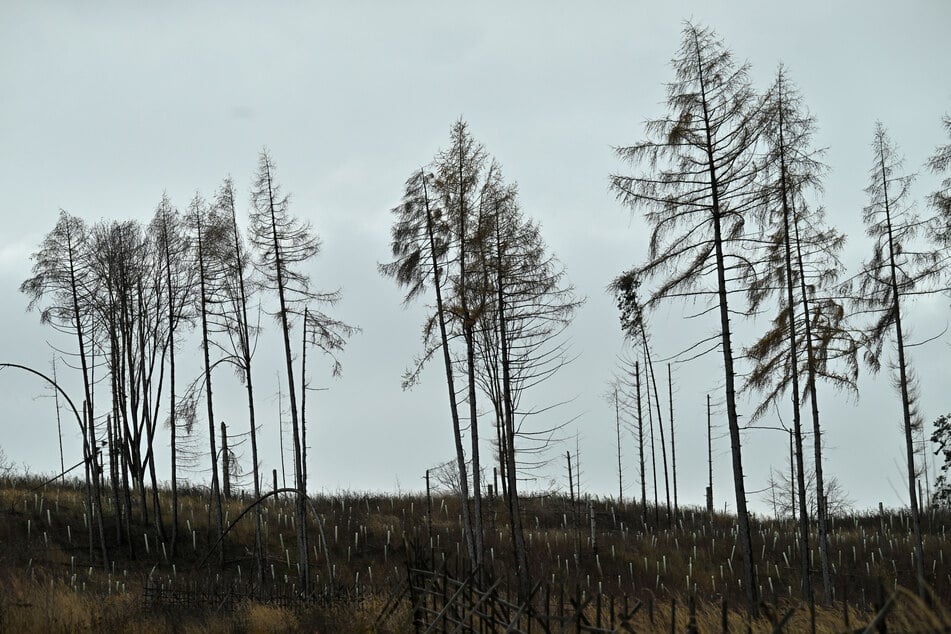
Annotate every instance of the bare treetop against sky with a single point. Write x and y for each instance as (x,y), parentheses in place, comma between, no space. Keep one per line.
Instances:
(105,107)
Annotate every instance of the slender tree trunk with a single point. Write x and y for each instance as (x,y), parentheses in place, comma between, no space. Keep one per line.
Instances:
(821,510)
(673,445)
(126,490)
(617,425)
(709,460)
(450,383)
(89,425)
(649,370)
(59,427)
(744,536)
(743,519)
(244,336)
(905,396)
(468,334)
(150,351)
(225,462)
(280,436)
(114,476)
(518,538)
(209,402)
(303,397)
(503,450)
(640,440)
(292,393)
(258,544)
(650,421)
(172,413)
(806,585)
(303,419)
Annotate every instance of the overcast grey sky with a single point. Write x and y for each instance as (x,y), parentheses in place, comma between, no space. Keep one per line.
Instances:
(107,105)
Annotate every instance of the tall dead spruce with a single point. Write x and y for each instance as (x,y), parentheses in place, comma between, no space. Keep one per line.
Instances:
(205,236)
(423,248)
(172,247)
(236,293)
(501,305)
(900,268)
(698,194)
(62,279)
(809,338)
(526,306)
(283,244)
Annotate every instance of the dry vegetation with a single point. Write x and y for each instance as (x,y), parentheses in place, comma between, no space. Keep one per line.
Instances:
(49,583)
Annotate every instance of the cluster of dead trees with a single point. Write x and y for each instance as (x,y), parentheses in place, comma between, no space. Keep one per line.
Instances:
(126,294)
(498,306)
(730,184)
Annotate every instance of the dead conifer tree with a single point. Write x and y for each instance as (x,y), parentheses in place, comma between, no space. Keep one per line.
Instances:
(901,267)
(698,193)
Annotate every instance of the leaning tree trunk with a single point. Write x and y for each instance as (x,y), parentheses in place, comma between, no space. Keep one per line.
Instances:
(649,372)
(905,396)
(650,422)
(450,383)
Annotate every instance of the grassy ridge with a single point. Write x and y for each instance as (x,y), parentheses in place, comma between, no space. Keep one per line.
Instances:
(51,583)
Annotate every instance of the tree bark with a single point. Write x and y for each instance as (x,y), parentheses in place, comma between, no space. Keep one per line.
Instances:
(905,396)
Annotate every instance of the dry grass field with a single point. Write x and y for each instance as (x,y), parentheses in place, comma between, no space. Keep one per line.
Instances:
(50,583)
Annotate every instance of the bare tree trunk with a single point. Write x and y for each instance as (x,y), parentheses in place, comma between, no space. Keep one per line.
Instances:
(649,371)
(303,397)
(650,420)
(173,435)
(450,383)
(709,460)
(209,402)
(114,476)
(303,419)
(518,537)
(905,395)
(806,586)
(89,426)
(816,431)
(617,425)
(59,427)
(468,330)
(225,462)
(501,439)
(292,393)
(640,440)
(673,445)
(744,535)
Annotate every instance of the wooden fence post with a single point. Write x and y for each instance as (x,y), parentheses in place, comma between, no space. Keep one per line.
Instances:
(594,533)
(692,615)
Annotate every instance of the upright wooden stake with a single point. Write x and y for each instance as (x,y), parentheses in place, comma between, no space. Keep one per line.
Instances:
(225,461)
(673,446)
(709,460)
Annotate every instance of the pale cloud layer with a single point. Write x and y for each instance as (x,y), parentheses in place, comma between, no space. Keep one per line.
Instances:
(107,105)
